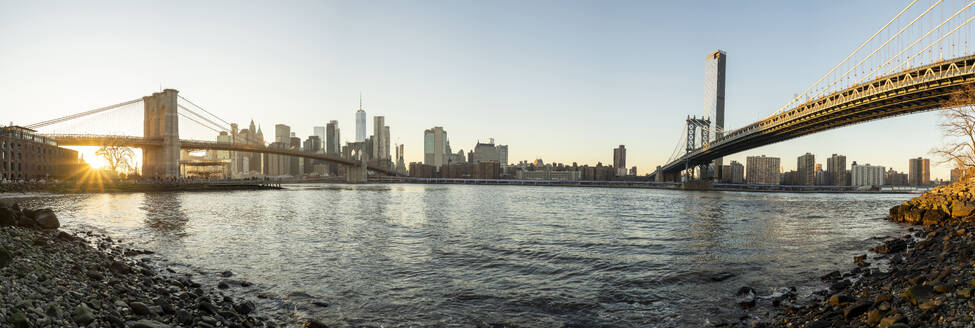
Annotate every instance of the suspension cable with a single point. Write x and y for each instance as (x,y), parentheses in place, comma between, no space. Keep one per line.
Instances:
(204,110)
(797,97)
(224,128)
(80,115)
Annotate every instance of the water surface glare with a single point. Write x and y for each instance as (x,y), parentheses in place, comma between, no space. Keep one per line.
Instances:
(457,255)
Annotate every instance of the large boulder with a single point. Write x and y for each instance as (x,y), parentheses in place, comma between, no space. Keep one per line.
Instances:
(46,219)
(962,209)
(913,215)
(932,217)
(5,257)
(8,216)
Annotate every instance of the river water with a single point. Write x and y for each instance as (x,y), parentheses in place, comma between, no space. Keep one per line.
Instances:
(457,255)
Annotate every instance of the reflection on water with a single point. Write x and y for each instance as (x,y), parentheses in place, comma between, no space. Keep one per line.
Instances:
(402,255)
(164,214)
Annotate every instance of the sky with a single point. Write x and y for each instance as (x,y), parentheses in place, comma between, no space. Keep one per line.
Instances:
(565,81)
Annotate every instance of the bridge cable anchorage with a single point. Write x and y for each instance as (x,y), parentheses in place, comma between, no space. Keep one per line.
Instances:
(204,110)
(224,128)
(38,125)
(797,97)
(893,69)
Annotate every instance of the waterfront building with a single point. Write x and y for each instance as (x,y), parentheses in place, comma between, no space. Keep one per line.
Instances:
(279,165)
(956,174)
(619,160)
(836,170)
(632,171)
(461,170)
(320,132)
(223,137)
(866,175)
(732,173)
(282,133)
(919,171)
(296,164)
(312,144)
(894,178)
(25,155)
(436,150)
(547,174)
(806,170)
(247,164)
(790,178)
(420,170)
(487,170)
(333,144)
(489,152)
(762,170)
(380,139)
(400,163)
(503,155)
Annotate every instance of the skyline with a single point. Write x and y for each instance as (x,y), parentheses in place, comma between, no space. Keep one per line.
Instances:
(539,85)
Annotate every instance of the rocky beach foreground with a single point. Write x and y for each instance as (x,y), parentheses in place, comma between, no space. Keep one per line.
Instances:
(924,278)
(51,278)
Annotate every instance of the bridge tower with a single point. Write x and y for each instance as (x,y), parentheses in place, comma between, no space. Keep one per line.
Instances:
(693,123)
(160,122)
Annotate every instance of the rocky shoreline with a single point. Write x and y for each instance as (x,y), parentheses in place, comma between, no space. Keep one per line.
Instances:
(51,278)
(924,278)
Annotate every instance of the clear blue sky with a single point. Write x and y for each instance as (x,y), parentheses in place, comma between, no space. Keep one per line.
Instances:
(564,81)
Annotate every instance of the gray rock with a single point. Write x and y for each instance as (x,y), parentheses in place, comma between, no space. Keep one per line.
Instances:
(245,307)
(19,320)
(53,311)
(7,217)
(184,317)
(226,274)
(145,323)
(139,308)
(82,315)
(46,219)
(5,257)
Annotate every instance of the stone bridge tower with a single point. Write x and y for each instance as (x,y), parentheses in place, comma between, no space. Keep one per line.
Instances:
(161,122)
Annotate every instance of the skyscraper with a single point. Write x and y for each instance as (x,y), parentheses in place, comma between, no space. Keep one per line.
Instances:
(762,170)
(714,70)
(619,160)
(836,170)
(380,138)
(919,171)
(360,122)
(320,132)
(400,161)
(435,148)
(806,168)
(503,155)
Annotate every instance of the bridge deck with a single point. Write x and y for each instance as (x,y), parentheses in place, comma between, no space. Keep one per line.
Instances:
(913,90)
(140,142)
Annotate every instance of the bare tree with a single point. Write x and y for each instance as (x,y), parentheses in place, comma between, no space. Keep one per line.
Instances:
(958,130)
(119,158)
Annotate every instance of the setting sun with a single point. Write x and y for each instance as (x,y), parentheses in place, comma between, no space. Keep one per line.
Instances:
(87,153)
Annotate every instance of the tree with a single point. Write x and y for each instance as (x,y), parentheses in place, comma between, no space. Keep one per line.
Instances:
(119,158)
(958,129)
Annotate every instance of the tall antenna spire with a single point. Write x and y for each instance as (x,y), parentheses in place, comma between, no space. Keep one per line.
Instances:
(360,100)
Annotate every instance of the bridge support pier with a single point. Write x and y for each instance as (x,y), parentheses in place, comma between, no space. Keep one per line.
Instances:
(357,174)
(160,122)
